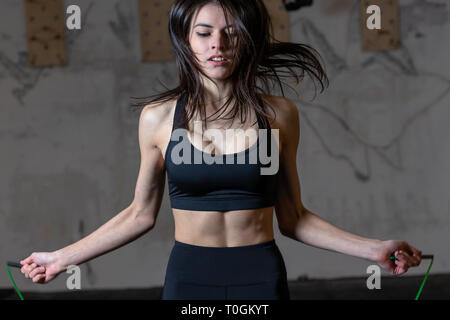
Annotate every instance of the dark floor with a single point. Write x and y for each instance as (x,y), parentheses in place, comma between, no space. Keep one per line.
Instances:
(437,287)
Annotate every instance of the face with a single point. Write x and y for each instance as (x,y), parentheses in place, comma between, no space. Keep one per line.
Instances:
(209,35)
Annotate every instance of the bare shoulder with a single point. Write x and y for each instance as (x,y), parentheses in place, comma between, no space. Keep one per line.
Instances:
(286,112)
(286,120)
(154,122)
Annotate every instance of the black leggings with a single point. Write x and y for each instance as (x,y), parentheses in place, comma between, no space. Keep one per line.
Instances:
(226,273)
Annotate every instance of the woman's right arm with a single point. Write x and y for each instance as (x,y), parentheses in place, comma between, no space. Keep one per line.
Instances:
(132,222)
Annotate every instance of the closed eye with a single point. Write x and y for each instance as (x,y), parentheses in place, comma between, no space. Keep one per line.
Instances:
(207,34)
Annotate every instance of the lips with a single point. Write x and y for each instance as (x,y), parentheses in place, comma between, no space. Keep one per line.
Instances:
(217,56)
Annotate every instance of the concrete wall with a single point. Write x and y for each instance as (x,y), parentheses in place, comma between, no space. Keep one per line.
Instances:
(373,157)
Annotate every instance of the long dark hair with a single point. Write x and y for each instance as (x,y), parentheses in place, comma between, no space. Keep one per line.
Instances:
(256,56)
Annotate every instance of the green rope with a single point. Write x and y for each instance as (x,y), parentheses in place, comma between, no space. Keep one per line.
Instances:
(12,280)
(392,257)
(425,279)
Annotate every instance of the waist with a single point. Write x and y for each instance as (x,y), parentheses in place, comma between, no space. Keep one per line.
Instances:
(264,244)
(261,240)
(239,265)
(223,229)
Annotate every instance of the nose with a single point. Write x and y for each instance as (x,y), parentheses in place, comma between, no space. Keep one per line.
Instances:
(218,41)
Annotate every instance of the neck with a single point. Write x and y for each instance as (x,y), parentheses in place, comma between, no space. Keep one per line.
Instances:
(216,93)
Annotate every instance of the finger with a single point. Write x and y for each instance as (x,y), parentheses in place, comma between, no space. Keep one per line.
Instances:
(28,269)
(415,252)
(27,260)
(403,256)
(36,271)
(39,278)
(400,270)
(401,262)
(412,260)
(23,269)
(401,267)
(42,279)
(417,259)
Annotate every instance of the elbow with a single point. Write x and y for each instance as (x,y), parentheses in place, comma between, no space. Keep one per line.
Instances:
(144,218)
(288,231)
(150,224)
(290,227)
(145,223)
(283,231)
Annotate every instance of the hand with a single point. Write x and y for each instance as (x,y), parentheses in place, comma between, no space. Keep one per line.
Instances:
(407,256)
(41,267)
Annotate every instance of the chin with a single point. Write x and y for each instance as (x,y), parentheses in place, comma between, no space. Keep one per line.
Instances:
(218,76)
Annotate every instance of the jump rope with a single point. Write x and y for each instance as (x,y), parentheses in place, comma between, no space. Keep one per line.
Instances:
(425,256)
(392,257)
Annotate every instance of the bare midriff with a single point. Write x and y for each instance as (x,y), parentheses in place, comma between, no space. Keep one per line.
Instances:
(224,228)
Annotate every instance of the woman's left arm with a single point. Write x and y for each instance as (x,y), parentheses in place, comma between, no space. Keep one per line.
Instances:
(300,224)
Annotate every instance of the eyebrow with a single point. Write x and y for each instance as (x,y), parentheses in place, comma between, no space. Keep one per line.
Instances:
(209,26)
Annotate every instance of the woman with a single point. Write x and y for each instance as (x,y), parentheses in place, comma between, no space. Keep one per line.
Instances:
(223,212)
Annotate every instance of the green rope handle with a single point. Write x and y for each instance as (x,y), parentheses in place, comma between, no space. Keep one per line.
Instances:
(12,280)
(427,256)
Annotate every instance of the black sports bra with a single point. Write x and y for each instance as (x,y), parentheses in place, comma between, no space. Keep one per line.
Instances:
(217,186)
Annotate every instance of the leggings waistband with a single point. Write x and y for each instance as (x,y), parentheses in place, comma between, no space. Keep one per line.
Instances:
(269,243)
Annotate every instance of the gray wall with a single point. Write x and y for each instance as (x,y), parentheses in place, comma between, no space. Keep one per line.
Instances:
(373,157)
